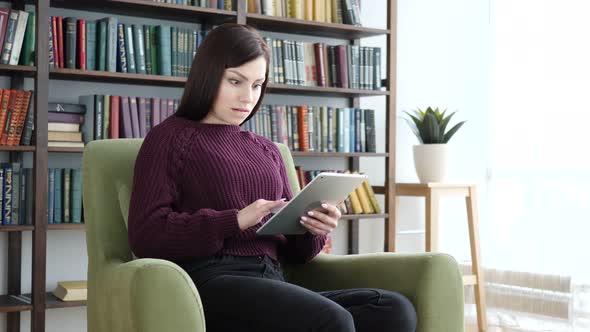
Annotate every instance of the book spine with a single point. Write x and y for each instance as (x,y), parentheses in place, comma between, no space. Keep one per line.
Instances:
(139,48)
(50,195)
(58,197)
(76,196)
(67,174)
(9,38)
(82,44)
(70,50)
(29,42)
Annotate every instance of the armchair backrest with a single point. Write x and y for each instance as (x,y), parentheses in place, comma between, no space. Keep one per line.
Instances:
(108,174)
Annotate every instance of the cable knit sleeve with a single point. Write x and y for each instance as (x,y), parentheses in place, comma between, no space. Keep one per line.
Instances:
(156,228)
(298,248)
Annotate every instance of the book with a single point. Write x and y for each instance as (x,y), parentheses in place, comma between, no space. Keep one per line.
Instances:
(71,290)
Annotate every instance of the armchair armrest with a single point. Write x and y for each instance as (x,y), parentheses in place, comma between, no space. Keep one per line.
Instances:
(144,295)
(431,281)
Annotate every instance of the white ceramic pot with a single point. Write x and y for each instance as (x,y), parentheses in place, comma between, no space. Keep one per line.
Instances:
(430,161)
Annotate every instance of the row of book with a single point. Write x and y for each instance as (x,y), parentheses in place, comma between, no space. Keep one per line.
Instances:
(16,194)
(316,128)
(64,198)
(329,11)
(108,45)
(106,116)
(361,201)
(217,4)
(16,117)
(319,64)
(17,37)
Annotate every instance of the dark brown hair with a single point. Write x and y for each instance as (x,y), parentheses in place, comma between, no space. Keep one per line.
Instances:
(227,46)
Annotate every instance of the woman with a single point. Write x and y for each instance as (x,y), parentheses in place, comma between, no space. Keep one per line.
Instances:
(202,187)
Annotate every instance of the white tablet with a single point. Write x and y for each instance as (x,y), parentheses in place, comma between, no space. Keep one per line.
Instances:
(330,188)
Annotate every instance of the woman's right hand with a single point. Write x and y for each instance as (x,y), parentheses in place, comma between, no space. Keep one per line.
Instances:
(253,213)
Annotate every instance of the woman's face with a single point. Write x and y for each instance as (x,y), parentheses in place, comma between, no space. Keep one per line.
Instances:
(238,93)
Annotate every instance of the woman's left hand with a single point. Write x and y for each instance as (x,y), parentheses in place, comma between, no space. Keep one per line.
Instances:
(321,222)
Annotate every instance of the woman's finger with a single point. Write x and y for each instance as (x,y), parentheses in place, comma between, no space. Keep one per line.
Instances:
(315,225)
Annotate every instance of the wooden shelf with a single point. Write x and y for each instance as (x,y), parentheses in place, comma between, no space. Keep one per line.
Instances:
(28,71)
(16,228)
(52,302)
(158,80)
(9,303)
(319,91)
(111,77)
(66,226)
(337,154)
(364,216)
(150,9)
(65,150)
(304,27)
(17,148)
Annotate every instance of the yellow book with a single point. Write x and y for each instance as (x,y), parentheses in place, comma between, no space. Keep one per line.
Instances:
(364,198)
(318,11)
(251,7)
(296,9)
(71,290)
(372,198)
(355,202)
(309,10)
(328,11)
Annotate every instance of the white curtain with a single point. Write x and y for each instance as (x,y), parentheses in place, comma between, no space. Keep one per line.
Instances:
(537,218)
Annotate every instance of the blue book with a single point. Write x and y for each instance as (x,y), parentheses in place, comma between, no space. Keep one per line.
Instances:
(50,195)
(76,196)
(7,191)
(23,197)
(58,198)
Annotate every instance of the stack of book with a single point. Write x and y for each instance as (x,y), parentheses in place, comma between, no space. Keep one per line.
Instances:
(71,290)
(17,37)
(64,125)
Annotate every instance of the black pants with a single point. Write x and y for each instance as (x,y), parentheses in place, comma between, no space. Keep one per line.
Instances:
(250,294)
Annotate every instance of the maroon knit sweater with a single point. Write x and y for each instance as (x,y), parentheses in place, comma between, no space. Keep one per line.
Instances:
(190,181)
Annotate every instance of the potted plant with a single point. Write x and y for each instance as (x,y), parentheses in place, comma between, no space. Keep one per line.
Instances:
(430,157)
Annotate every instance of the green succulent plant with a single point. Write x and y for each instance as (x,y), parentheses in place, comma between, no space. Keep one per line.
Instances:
(430,125)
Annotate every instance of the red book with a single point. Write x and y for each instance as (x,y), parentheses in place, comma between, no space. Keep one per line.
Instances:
(342,66)
(302,119)
(4,109)
(10,115)
(114,130)
(23,107)
(60,40)
(82,44)
(319,52)
(55,43)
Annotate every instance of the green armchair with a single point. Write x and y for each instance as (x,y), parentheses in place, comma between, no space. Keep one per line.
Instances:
(133,295)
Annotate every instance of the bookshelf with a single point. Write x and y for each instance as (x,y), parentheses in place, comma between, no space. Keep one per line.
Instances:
(41,300)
